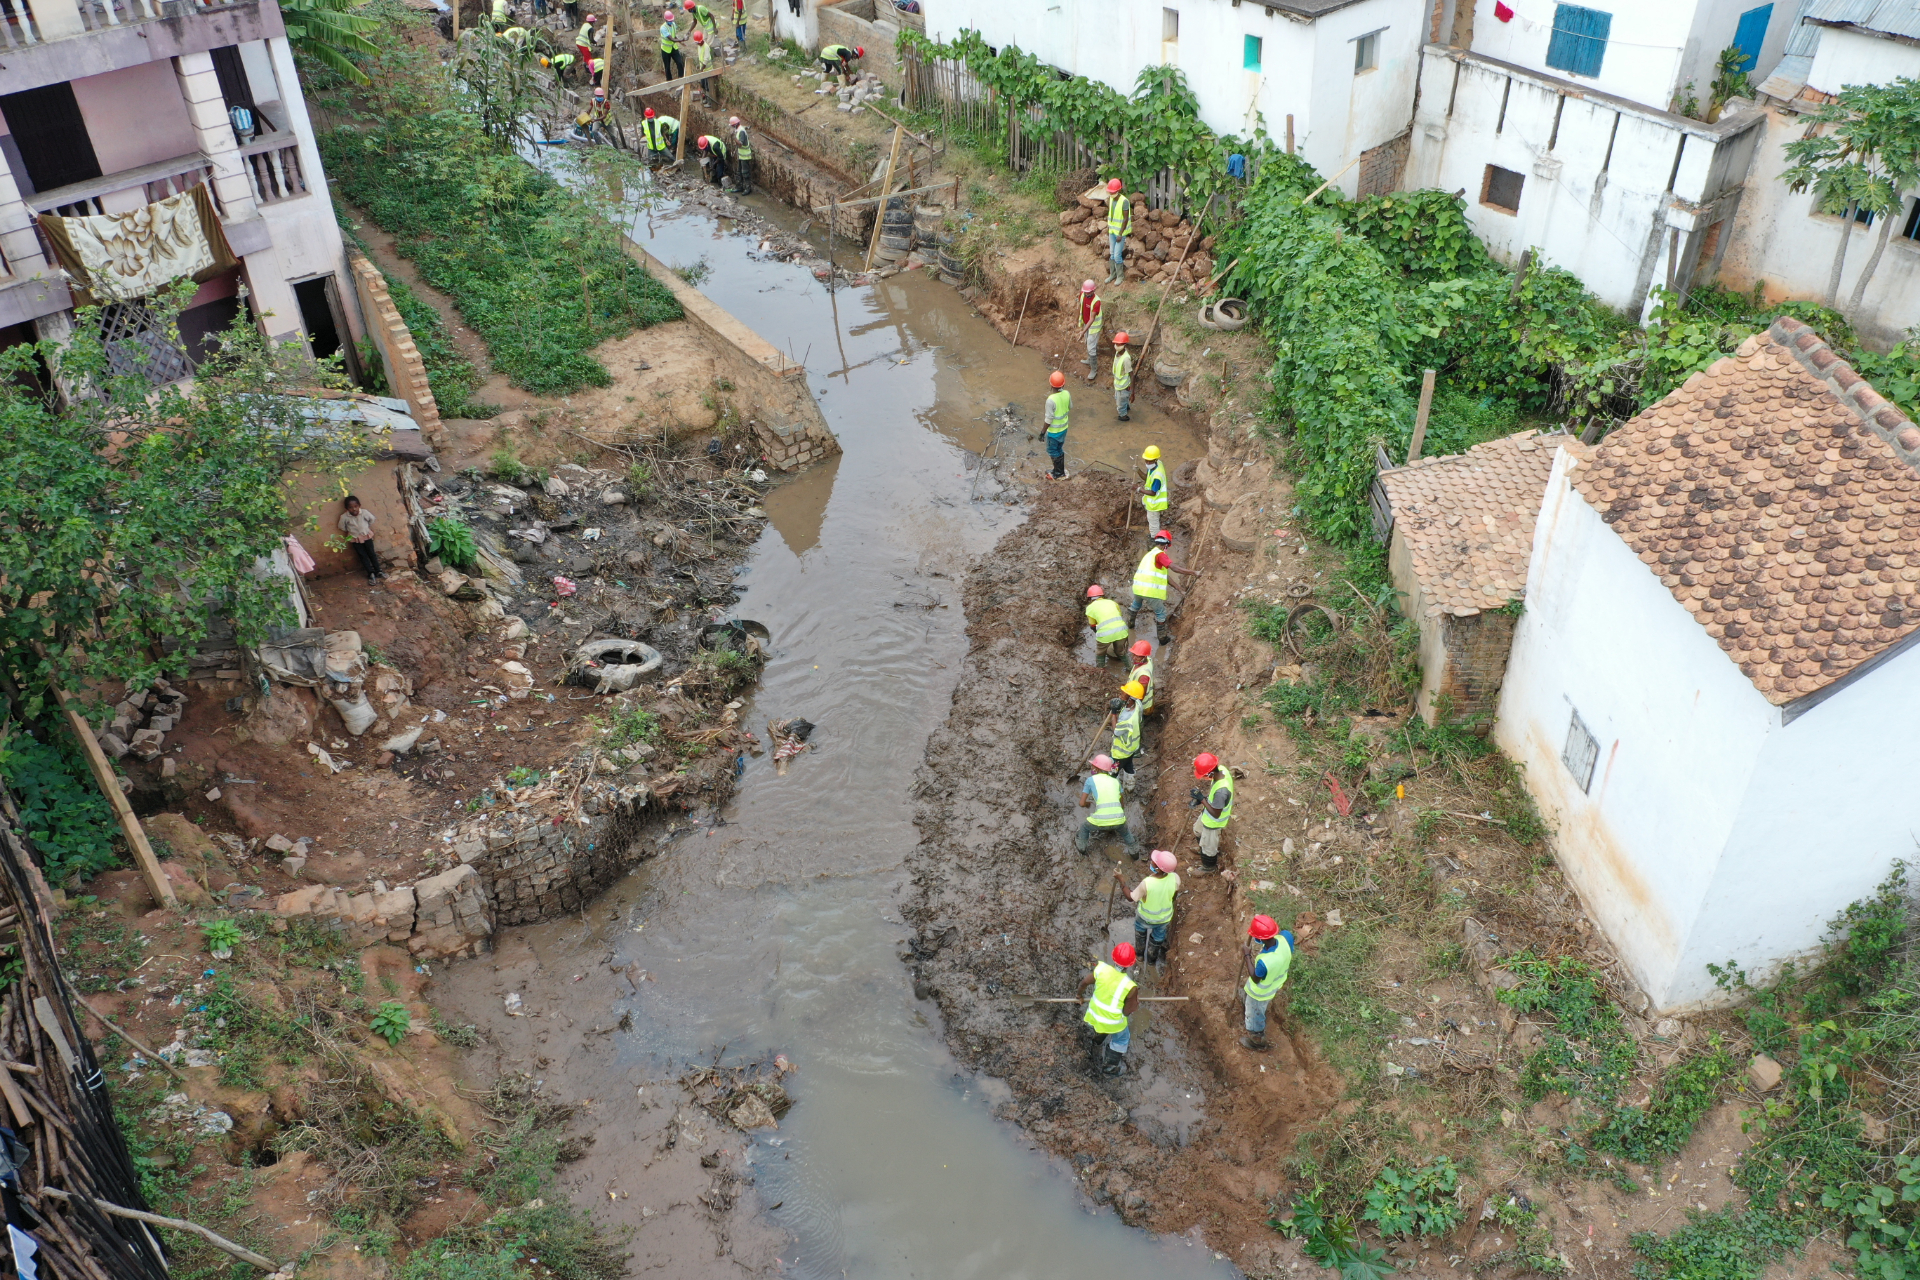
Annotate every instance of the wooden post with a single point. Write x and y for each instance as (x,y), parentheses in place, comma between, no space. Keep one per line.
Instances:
(1289,135)
(1520,275)
(833,216)
(686,110)
(1420,418)
(103,776)
(1329,182)
(886,187)
(456,26)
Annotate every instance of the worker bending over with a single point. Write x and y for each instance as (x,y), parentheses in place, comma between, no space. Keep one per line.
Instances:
(1214,797)
(1142,673)
(703,20)
(703,63)
(1090,323)
(1266,971)
(1150,581)
(1059,405)
(662,135)
(1115,997)
(1109,817)
(1126,732)
(1155,911)
(838,60)
(713,158)
(1153,488)
(1122,376)
(1109,628)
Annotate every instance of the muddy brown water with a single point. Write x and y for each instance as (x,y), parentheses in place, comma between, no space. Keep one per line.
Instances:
(774,926)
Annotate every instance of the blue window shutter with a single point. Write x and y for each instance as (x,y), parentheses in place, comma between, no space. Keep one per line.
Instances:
(1251,55)
(1579,41)
(1751,34)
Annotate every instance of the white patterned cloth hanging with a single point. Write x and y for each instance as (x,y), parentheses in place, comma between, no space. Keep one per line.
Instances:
(130,255)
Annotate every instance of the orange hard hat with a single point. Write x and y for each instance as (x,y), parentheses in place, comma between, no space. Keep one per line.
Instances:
(1103,763)
(1113,185)
(1205,763)
(1095,591)
(1123,955)
(1263,928)
(1120,338)
(703,144)
(1058,379)
(1142,649)
(649,114)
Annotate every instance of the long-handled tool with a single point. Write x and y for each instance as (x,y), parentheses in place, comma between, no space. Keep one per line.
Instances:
(1082,999)
(1081,759)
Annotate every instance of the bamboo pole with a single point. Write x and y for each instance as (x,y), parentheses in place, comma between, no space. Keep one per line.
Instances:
(1192,237)
(1289,135)
(213,1238)
(867,200)
(648,90)
(1420,418)
(1329,182)
(103,776)
(886,185)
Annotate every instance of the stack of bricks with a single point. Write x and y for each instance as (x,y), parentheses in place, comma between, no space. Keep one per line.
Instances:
(406,371)
(791,446)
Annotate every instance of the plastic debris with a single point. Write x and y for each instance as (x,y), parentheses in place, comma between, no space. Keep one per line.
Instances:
(564,587)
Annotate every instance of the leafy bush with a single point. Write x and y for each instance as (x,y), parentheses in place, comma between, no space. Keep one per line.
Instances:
(61,810)
(222,935)
(626,726)
(1425,1202)
(1332,1239)
(1723,1245)
(391,1021)
(449,538)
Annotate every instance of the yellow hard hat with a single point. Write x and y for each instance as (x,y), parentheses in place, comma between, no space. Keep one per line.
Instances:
(1151,453)
(1134,689)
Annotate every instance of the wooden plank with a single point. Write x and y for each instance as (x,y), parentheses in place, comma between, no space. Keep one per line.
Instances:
(886,185)
(686,126)
(647,90)
(109,784)
(954,186)
(1420,419)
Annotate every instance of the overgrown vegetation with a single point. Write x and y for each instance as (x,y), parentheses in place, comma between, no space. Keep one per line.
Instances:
(450,538)
(61,810)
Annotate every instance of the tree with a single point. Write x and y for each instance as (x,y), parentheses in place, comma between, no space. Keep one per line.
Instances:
(138,515)
(326,32)
(1862,152)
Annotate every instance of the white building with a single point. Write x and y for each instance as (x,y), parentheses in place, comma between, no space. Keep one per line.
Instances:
(1779,237)
(1556,123)
(1713,685)
(110,106)
(1343,70)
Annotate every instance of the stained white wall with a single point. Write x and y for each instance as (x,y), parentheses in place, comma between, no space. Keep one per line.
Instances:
(1307,68)
(1680,731)
(306,239)
(1851,57)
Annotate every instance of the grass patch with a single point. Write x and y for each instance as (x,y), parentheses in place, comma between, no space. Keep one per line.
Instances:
(450,375)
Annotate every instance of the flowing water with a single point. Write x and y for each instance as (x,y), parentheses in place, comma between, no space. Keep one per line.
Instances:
(776,928)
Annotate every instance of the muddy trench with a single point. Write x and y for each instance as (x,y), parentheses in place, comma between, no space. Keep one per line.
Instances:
(779,923)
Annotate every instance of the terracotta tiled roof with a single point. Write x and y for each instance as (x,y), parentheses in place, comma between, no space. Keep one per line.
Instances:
(1468,520)
(1777,496)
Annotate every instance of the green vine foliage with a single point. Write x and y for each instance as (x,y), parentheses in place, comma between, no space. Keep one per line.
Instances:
(61,811)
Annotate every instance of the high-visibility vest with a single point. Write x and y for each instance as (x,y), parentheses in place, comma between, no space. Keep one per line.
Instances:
(1107,809)
(514,35)
(1107,1010)
(500,11)
(702,56)
(714,145)
(1092,313)
(745,152)
(669,38)
(1149,580)
(1119,215)
(1156,898)
(1213,798)
(654,131)
(584,36)
(1057,406)
(1122,369)
(703,17)
(1144,674)
(837,53)
(561,61)
(1126,734)
(1279,958)
(1108,625)
(1151,500)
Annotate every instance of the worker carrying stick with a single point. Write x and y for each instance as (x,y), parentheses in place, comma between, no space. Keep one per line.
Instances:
(1115,997)
(1126,731)
(1266,972)
(1154,913)
(1214,798)
(1110,630)
(1150,581)
(1091,322)
(1101,793)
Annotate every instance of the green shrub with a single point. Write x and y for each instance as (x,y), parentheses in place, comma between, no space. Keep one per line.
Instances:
(391,1021)
(1424,1202)
(61,810)
(222,935)
(625,726)
(449,538)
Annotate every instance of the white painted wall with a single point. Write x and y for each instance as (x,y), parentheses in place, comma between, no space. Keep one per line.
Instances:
(803,30)
(306,238)
(1307,67)
(1852,57)
(1680,731)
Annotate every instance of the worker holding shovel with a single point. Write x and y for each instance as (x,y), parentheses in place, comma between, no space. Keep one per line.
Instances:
(1109,627)
(1101,793)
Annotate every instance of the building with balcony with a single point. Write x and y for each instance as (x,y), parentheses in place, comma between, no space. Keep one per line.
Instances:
(114,107)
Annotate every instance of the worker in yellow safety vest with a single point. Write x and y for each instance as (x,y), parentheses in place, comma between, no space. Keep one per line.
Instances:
(583,39)
(673,64)
(1153,488)
(1109,628)
(1119,227)
(1122,376)
(1266,972)
(1091,322)
(1155,912)
(838,59)
(1059,405)
(1108,818)
(713,157)
(661,133)
(1126,732)
(1214,798)
(1142,673)
(703,63)
(742,156)
(1115,996)
(703,20)
(740,23)
(1150,579)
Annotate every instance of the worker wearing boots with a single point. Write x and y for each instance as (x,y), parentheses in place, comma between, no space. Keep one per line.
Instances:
(1126,732)
(713,158)
(1122,377)
(1091,322)
(1153,488)
(673,63)
(1108,818)
(1214,798)
(1119,227)
(703,63)
(1059,405)
(1266,972)
(1142,673)
(742,156)
(1115,997)
(661,133)
(1150,581)
(1109,628)
(1154,914)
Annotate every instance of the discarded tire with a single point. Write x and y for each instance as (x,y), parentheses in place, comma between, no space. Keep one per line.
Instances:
(1228,314)
(896,218)
(1169,375)
(947,277)
(898,244)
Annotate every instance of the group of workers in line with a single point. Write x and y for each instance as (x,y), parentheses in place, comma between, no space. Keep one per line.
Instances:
(1268,955)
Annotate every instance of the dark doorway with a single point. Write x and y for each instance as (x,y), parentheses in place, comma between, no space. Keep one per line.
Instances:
(52,136)
(237,91)
(325,323)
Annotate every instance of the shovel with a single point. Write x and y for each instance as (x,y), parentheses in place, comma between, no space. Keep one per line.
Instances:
(1077,999)
(1080,761)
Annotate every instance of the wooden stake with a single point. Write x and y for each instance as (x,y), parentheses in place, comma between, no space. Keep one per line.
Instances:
(1023,317)
(1520,275)
(114,1027)
(667,86)
(1329,182)
(456,26)
(1289,135)
(1174,279)
(1420,418)
(686,124)
(886,186)
(103,776)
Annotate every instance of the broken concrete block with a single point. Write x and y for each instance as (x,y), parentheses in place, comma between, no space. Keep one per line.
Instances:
(147,743)
(517,679)
(1763,1073)
(293,865)
(169,767)
(137,700)
(161,724)
(401,743)
(113,744)
(516,628)
(613,497)
(452,581)
(279,843)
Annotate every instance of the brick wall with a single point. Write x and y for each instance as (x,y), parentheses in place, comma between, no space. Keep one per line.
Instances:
(1475,663)
(853,22)
(406,371)
(1381,167)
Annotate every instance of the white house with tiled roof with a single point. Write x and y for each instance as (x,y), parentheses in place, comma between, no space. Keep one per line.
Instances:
(1714,685)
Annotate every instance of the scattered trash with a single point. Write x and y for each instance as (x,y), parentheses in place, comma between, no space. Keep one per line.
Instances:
(178,1108)
(319,753)
(791,735)
(1333,919)
(564,587)
(612,666)
(514,1003)
(590,535)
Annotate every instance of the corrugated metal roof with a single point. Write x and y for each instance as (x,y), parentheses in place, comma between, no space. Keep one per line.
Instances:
(1803,38)
(1892,17)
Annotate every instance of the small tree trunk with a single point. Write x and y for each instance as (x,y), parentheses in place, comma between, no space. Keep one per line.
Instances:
(1840,254)
(1873,260)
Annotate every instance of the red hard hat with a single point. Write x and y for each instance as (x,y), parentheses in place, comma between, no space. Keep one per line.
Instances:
(858,52)
(698,38)
(1123,955)
(689,5)
(1142,649)
(649,114)
(1113,184)
(703,144)
(1164,538)
(1095,591)
(1120,339)
(1263,928)
(1058,379)
(1205,763)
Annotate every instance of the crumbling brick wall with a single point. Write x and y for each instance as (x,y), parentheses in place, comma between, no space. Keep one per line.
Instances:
(1380,168)
(1476,649)
(406,371)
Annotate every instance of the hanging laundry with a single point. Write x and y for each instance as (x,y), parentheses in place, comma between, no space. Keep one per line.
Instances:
(297,554)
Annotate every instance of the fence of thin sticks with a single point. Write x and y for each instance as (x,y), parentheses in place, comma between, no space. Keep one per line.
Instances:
(64,1156)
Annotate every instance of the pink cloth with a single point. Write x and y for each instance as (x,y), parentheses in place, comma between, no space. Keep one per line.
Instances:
(302,562)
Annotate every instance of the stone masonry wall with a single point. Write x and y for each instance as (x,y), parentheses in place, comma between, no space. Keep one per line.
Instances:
(857,22)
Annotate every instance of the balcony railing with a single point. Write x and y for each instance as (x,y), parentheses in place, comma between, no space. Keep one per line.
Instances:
(25,22)
(273,166)
(153,182)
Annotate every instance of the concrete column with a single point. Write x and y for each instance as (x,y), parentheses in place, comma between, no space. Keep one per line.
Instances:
(293,104)
(17,239)
(213,133)
(273,300)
